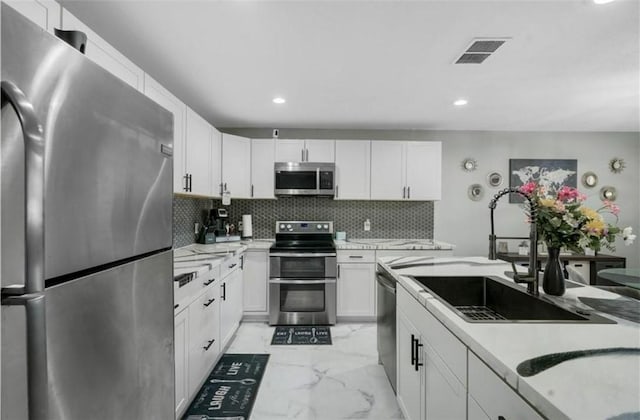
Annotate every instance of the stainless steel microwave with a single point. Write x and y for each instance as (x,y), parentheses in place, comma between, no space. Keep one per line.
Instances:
(304,178)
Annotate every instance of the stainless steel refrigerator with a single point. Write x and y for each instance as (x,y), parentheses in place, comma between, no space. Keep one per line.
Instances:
(86,232)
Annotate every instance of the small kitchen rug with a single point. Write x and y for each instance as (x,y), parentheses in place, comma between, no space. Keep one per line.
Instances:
(231,388)
(301,335)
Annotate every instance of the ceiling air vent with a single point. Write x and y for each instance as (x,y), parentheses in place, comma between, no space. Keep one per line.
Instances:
(479,50)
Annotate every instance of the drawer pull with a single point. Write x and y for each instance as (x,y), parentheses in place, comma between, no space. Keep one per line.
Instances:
(356,256)
(232,265)
(501,418)
(206,283)
(209,302)
(176,306)
(418,345)
(209,344)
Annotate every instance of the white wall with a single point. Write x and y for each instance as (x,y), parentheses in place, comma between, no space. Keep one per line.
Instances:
(466,223)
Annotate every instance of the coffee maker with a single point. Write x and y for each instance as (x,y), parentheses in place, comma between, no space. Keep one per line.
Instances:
(214,226)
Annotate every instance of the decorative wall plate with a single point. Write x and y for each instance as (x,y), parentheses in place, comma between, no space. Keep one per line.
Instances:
(616,165)
(494,179)
(475,192)
(469,164)
(608,193)
(589,179)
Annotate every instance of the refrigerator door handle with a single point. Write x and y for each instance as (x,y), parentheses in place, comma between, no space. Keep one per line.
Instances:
(32,293)
(37,377)
(32,133)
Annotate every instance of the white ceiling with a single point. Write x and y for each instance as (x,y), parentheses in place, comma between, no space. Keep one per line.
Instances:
(569,65)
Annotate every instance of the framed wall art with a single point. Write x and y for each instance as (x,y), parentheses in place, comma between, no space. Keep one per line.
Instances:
(549,173)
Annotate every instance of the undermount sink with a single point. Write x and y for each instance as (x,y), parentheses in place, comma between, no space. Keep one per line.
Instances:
(493,300)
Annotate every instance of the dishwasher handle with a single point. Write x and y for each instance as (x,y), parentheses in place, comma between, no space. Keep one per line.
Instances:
(389,285)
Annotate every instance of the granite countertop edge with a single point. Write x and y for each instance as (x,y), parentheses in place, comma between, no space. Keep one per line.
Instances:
(391,244)
(494,344)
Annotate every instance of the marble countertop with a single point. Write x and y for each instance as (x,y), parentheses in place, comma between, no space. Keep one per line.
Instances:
(408,244)
(592,387)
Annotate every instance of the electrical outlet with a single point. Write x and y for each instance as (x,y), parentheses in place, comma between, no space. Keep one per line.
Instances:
(367,225)
(196,227)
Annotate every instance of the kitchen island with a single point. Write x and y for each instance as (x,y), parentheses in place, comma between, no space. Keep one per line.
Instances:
(599,387)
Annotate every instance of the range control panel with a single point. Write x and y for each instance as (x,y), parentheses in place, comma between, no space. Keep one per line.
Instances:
(304,227)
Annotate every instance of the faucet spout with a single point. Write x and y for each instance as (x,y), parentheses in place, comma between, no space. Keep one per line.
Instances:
(532,273)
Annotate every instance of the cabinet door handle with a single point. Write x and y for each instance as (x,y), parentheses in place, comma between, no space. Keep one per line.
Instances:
(404,192)
(413,350)
(501,418)
(221,190)
(418,345)
(232,265)
(307,150)
(408,192)
(206,283)
(302,155)
(186,182)
(225,186)
(224,291)
(176,306)
(251,190)
(209,302)
(209,344)
(338,270)
(336,191)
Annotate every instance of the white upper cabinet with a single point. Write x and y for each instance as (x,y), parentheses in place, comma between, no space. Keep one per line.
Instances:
(320,150)
(387,170)
(236,165)
(353,169)
(198,154)
(424,171)
(262,160)
(164,98)
(290,150)
(44,13)
(216,162)
(406,170)
(102,53)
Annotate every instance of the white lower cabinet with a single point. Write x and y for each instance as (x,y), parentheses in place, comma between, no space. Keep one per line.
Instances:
(431,364)
(255,279)
(204,336)
(494,398)
(202,330)
(231,296)
(409,371)
(181,348)
(356,284)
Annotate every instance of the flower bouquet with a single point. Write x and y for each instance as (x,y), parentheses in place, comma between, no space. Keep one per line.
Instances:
(563,221)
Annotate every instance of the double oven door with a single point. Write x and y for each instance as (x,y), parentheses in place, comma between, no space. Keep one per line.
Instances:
(302,288)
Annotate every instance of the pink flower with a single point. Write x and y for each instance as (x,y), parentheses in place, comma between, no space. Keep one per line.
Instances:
(613,208)
(528,188)
(568,193)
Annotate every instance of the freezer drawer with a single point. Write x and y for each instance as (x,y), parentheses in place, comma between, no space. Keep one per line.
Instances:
(109,343)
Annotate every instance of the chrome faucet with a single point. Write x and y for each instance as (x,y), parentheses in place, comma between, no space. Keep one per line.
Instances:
(532,273)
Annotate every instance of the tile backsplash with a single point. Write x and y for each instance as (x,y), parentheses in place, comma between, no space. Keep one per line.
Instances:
(389,219)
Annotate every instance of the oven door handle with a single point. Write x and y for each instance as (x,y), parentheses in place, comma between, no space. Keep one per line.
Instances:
(289,281)
(302,255)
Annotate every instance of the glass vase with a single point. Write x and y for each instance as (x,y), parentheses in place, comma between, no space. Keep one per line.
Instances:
(553,278)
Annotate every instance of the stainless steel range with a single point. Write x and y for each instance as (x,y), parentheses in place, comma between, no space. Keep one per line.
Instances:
(302,274)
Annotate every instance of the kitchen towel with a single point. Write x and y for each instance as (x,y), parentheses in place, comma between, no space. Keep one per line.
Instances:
(247,229)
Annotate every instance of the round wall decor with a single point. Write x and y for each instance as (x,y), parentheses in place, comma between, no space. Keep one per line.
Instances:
(616,165)
(608,193)
(475,192)
(469,164)
(589,179)
(494,179)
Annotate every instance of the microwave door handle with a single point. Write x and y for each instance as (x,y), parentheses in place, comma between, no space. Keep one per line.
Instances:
(31,296)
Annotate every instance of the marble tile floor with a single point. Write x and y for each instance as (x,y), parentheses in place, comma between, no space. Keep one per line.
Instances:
(323,382)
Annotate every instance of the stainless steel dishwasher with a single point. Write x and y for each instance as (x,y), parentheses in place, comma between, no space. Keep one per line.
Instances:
(386,322)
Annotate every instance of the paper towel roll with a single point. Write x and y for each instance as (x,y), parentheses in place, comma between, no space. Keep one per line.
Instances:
(247,229)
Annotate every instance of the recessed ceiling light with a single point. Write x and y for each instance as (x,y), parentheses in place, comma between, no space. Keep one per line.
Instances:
(279,100)
(460,102)
(602,1)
